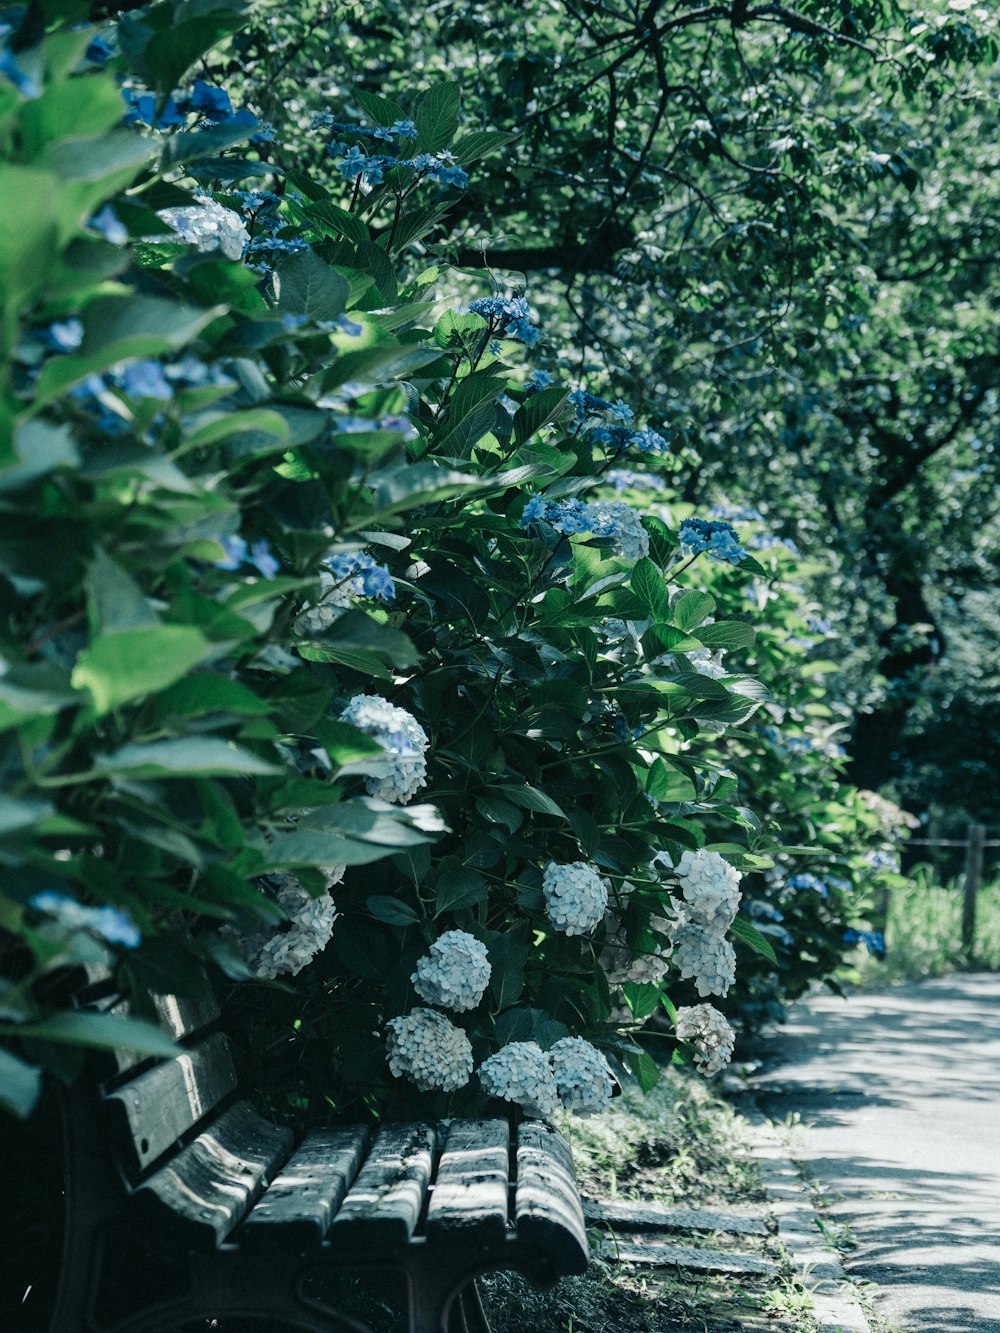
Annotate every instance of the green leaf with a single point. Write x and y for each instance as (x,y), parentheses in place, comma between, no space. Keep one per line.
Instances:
(99,157)
(189,145)
(537,411)
(471,147)
(666,783)
(40,449)
(356,631)
(751,936)
(650,591)
(508,956)
(379,110)
(727,634)
(201,756)
(457,886)
(20,814)
(692,609)
(530,798)
(166,40)
(202,693)
(391,910)
(643,999)
(400,488)
(437,117)
(309,287)
(133,662)
(20,1085)
(115,601)
(529,1025)
(106,1031)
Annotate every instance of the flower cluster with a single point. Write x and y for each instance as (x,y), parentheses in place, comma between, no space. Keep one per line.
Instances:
(455,973)
(403,739)
(440,167)
(512,313)
(873,940)
(287,949)
(521,1073)
(613,424)
(209,226)
(717,538)
(583,1079)
(425,1048)
(711,888)
(612,519)
(349,574)
(625,479)
(807,880)
(621,963)
(709,1033)
(206,101)
(708,959)
(576,897)
(238,553)
(112,924)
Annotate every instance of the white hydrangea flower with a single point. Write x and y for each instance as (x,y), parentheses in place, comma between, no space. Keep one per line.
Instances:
(711,888)
(582,1076)
(576,897)
(286,949)
(521,1073)
(621,964)
(455,973)
(707,663)
(403,739)
(706,957)
(709,1033)
(428,1050)
(334,599)
(209,226)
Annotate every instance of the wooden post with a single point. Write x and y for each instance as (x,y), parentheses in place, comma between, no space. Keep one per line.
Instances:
(973,878)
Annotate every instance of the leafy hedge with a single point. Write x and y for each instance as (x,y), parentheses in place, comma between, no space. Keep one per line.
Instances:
(289,536)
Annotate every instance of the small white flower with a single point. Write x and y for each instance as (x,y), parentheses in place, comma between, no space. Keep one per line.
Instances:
(705,957)
(707,663)
(711,888)
(286,949)
(403,739)
(455,973)
(334,599)
(520,1073)
(428,1050)
(209,226)
(709,1033)
(582,1076)
(576,897)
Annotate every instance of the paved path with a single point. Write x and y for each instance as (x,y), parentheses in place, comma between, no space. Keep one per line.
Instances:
(900,1091)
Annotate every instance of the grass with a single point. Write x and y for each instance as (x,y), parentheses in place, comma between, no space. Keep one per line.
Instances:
(680,1145)
(923,933)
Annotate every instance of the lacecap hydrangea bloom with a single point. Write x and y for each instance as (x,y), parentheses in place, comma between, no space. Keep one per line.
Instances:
(403,739)
(454,973)
(521,1073)
(709,1033)
(604,518)
(349,574)
(718,539)
(711,888)
(288,948)
(512,313)
(428,1050)
(209,226)
(705,957)
(583,1079)
(576,897)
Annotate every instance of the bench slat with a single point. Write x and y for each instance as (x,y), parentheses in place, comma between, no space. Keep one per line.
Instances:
(383,1205)
(207,1189)
(470,1193)
(178,1015)
(166,1101)
(546,1204)
(300,1202)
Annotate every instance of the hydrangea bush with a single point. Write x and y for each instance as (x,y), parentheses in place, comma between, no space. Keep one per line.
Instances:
(329,660)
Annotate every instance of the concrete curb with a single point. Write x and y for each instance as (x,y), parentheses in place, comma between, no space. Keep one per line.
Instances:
(836,1306)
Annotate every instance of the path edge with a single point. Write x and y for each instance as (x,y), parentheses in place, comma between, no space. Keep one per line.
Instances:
(837,1305)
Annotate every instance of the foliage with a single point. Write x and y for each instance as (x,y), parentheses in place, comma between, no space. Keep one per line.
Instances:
(202,456)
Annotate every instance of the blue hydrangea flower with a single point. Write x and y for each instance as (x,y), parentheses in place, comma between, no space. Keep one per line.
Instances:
(648,441)
(620,411)
(210,99)
(367,576)
(513,312)
(266,134)
(623,479)
(356,163)
(809,881)
(262,559)
(145,379)
(112,924)
(873,940)
(28,87)
(141,109)
(108,224)
(540,379)
(615,521)
(65,335)
(719,540)
(99,51)
(235,549)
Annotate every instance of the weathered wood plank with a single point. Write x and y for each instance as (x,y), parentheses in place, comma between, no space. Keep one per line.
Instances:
(546,1203)
(300,1203)
(660,1255)
(384,1203)
(470,1192)
(631,1215)
(152,1111)
(178,1015)
(208,1187)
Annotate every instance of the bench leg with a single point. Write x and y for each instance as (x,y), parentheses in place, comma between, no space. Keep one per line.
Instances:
(467,1314)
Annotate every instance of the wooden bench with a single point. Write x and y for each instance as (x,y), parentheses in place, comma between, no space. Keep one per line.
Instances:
(186,1210)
